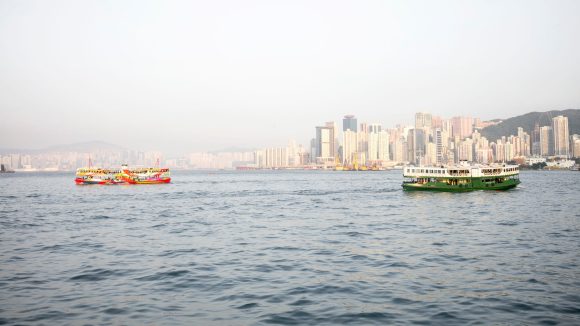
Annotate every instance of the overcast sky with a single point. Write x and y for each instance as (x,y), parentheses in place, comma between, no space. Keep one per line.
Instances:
(203,75)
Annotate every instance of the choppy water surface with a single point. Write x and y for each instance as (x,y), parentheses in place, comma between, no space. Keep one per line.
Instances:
(288,248)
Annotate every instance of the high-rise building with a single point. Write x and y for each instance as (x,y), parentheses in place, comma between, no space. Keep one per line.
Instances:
(349,123)
(325,144)
(430,157)
(462,127)
(524,143)
(378,143)
(332,125)
(536,140)
(466,150)
(363,138)
(423,120)
(575,146)
(438,146)
(312,152)
(373,142)
(498,151)
(384,146)
(400,150)
(416,145)
(546,142)
(436,122)
(349,146)
(561,136)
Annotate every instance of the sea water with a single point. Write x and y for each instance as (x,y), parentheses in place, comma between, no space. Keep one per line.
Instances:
(288,247)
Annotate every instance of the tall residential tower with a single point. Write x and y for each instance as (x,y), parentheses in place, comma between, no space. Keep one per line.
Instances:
(561,136)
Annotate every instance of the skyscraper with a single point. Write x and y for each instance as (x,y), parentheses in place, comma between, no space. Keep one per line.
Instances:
(438,146)
(400,150)
(373,142)
(384,146)
(423,120)
(332,125)
(575,146)
(462,127)
(416,145)
(325,144)
(546,142)
(536,140)
(349,123)
(363,138)
(561,136)
(349,146)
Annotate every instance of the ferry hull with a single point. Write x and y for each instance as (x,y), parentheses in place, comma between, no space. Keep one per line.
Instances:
(474,185)
(80,181)
(148,182)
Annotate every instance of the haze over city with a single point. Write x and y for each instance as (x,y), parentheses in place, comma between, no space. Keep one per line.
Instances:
(183,76)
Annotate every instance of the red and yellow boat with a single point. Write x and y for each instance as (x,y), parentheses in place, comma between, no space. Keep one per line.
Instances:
(87,176)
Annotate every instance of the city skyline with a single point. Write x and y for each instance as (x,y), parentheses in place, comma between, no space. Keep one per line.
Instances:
(430,140)
(145,75)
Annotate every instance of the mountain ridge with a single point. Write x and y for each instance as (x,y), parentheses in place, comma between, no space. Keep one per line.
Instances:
(82,147)
(528,121)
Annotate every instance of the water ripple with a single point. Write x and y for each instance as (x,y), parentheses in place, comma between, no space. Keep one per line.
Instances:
(293,248)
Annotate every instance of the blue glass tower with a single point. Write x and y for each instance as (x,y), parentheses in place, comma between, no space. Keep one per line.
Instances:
(349,122)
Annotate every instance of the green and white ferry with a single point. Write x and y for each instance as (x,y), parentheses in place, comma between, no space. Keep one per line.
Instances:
(461,177)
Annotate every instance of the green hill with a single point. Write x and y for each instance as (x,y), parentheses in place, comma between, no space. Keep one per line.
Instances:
(529,120)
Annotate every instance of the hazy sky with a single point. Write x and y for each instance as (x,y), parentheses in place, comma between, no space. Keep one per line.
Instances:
(202,75)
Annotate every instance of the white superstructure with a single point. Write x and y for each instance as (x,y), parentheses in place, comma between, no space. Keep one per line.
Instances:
(474,171)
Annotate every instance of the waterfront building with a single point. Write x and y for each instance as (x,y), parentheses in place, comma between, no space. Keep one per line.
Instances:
(546,141)
(535,160)
(536,140)
(334,127)
(272,158)
(575,146)
(349,146)
(378,144)
(6,161)
(312,156)
(324,144)
(292,150)
(561,136)
(363,138)
(373,142)
(383,150)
